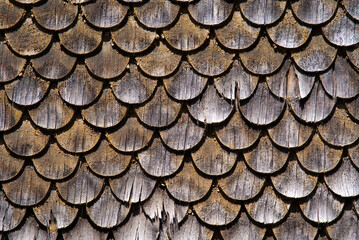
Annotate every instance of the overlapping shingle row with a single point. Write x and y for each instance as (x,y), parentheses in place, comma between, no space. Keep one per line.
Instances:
(206,119)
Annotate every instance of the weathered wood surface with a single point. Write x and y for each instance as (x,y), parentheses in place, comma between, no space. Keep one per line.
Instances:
(10,64)
(263,12)
(10,14)
(9,114)
(314,12)
(211,12)
(10,216)
(10,166)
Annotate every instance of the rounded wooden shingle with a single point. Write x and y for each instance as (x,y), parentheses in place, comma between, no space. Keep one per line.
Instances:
(10,64)
(105,13)
(9,114)
(316,57)
(314,12)
(242,184)
(263,58)
(84,231)
(107,211)
(108,63)
(210,108)
(211,61)
(107,162)
(265,157)
(105,112)
(183,135)
(323,206)
(80,39)
(10,216)
(133,87)
(263,12)
(351,6)
(28,189)
(55,15)
(80,88)
(211,159)
(318,157)
(209,12)
(26,140)
(294,182)
(160,111)
(55,164)
(347,227)
(187,185)
(185,35)
(52,113)
(55,208)
(132,37)
(55,64)
(289,33)
(29,230)
(134,186)
(157,161)
(10,14)
(269,208)
(10,166)
(192,229)
(132,136)
(237,34)
(160,62)
(340,130)
(28,40)
(28,90)
(353,107)
(28,1)
(82,188)
(78,138)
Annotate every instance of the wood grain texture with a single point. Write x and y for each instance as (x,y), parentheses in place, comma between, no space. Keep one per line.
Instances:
(294,181)
(211,61)
(79,1)
(107,211)
(10,64)
(9,114)
(319,157)
(133,87)
(105,13)
(323,206)
(10,166)
(132,37)
(341,79)
(108,63)
(347,227)
(317,56)
(210,108)
(28,1)
(28,40)
(84,231)
(106,111)
(55,15)
(353,107)
(262,107)
(295,227)
(289,33)
(184,135)
(351,7)
(134,186)
(185,84)
(352,53)
(55,164)
(263,58)
(160,111)
(10,14)
(212,159)
(340,130)
(193,229)
(289,133)
(28,90)
(263,12)
(185,35)
(265,157)
(314,12)
(28,189)
(82,188)
(80,88)
(30,230)
(55,208)
(209,12)
(187,185)
(243,229)
(157,13)
(107,162)
(130,137)
(269,208)
(242,184)
(54,64)
(160,62)
(26,140)
(80,39)
(52,113)
(237,34)
(10,216)
(237,83)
